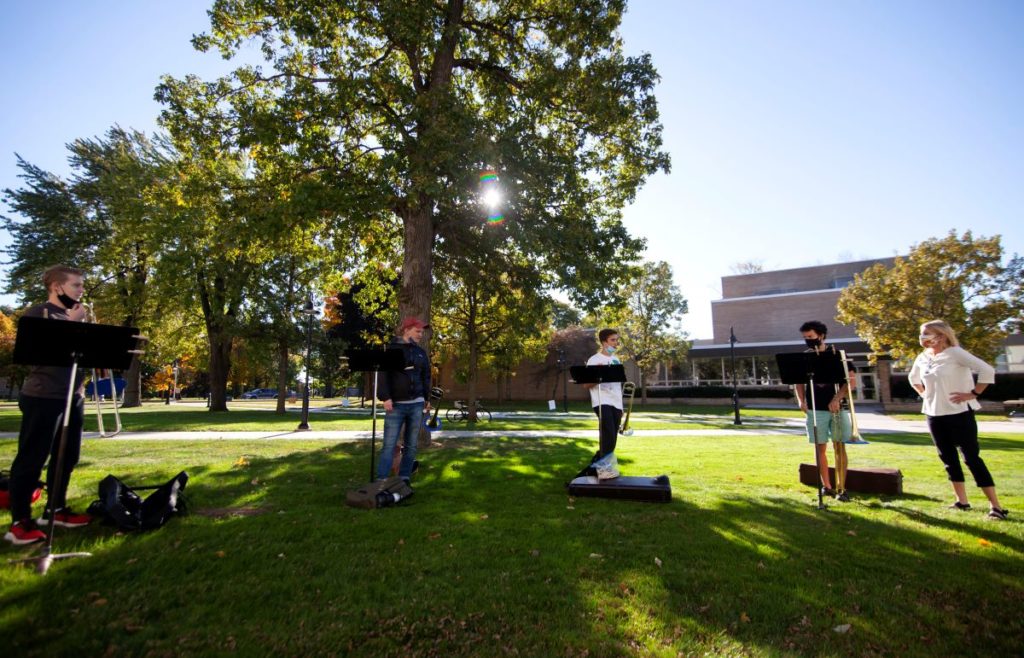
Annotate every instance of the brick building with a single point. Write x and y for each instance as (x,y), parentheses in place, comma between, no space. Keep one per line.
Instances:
(764,310)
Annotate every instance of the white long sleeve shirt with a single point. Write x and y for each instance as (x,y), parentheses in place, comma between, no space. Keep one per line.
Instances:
(610,393)
(946,373)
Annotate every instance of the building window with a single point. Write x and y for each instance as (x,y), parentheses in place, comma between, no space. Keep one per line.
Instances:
(841,281)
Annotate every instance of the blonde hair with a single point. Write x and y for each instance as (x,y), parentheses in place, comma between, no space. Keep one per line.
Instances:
(942,329)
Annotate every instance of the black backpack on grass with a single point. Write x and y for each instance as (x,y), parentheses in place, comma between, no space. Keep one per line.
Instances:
(119,505)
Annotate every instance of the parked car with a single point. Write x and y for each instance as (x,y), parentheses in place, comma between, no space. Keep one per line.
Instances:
(258,393)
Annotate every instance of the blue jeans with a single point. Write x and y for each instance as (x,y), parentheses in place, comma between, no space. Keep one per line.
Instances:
(411,415)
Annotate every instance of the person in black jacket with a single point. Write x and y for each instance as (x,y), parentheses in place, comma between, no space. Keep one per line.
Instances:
(405,395)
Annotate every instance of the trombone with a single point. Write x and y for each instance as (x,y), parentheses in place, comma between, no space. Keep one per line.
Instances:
(854,432)
(629,388)
(90,316)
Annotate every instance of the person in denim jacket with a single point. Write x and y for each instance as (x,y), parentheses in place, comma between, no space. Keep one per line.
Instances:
(405,395)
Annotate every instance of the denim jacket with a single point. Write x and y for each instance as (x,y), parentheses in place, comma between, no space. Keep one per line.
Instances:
(412,383)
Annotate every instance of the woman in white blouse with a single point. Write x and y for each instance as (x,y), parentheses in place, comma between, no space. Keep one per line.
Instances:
(942,374)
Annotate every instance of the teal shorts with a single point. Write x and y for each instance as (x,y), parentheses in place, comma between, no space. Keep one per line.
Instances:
(826,427)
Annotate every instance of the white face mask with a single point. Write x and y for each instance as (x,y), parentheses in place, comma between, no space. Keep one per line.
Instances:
(610,349)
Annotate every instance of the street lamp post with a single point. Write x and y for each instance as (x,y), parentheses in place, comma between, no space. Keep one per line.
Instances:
(309,312)
(735,384)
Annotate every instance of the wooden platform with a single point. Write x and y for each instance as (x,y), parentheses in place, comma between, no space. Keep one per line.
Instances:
(887,481)
(648,489)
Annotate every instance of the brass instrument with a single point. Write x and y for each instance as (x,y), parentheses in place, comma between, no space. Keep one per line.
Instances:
(629,388)
(90,316)
(842,461)
(854,433)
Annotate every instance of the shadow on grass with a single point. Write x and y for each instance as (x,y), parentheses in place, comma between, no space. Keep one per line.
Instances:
(919,439)
(491,557)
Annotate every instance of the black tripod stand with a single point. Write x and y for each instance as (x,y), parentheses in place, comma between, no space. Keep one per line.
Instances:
(45,342)
(809,368)
(376,361)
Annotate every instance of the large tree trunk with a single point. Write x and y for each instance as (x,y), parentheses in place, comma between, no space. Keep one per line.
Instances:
(220,366)
(414,296)
(216,313)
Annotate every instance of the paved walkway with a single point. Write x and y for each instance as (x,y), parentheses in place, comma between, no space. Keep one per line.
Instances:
(868,423)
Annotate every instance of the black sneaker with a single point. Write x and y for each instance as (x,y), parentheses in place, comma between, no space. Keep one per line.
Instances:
(843,497)
(998,514)
(963,507)
(831,493)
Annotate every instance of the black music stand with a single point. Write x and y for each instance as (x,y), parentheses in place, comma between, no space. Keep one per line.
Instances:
(808,367)
(390,360)
(66,344)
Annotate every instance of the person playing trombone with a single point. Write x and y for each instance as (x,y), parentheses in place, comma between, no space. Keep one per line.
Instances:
(831,419)
(42,401)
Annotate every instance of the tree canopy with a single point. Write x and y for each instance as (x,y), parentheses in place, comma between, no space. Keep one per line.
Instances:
(393,108)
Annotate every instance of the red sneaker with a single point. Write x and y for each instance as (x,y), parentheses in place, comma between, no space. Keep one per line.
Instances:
(65,518)
(24,532)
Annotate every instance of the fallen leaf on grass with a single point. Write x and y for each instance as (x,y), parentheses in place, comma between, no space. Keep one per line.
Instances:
(842,628)
(483,517)
(984,542)
(434,535)
(596,555)
(657,561)
(852,533)
(744,618)
(241,462)
(100,602)
(221,553)
(569,507)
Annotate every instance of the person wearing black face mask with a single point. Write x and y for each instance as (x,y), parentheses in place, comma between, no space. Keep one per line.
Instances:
(830,405)
(42,402)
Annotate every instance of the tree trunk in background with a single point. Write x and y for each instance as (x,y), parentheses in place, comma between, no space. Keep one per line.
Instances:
(133,384)
(282,373)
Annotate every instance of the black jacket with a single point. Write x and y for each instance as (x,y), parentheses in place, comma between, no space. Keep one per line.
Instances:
(411,383)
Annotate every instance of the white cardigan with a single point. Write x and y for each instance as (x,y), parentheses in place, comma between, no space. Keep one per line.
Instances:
(946,373)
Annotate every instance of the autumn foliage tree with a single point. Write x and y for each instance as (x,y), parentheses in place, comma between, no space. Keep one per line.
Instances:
(958,278)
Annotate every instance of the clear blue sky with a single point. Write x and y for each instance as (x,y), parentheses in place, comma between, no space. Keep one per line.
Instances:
(801,132)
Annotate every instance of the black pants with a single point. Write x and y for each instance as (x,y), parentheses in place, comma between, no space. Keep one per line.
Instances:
(610,418)
(39,438)
(959,431)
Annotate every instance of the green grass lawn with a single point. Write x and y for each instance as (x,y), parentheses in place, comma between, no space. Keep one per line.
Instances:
(491,557)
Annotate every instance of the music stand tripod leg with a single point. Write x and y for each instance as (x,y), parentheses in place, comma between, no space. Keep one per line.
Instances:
(373,433)
(47,557)
(817,455)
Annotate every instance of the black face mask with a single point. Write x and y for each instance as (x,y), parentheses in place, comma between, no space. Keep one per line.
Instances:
(813,342)
(68,302)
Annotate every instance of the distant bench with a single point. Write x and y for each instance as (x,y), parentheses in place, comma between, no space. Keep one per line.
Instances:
(887,481)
